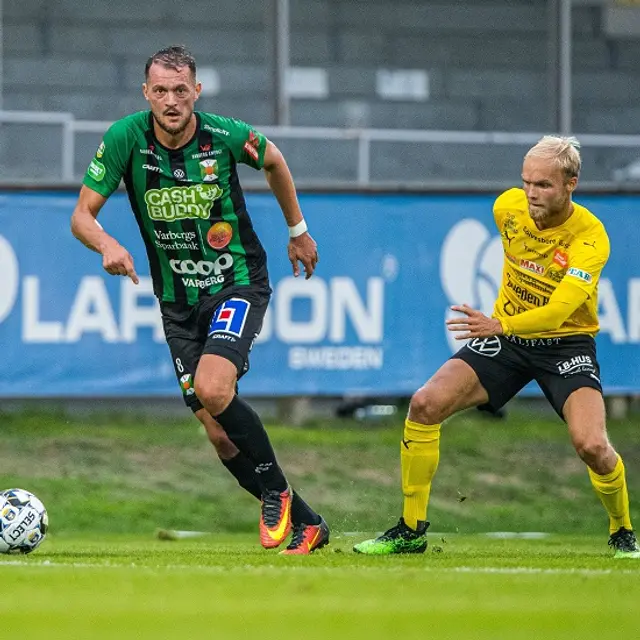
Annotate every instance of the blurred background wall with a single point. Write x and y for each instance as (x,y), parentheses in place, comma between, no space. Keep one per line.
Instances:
(450,66)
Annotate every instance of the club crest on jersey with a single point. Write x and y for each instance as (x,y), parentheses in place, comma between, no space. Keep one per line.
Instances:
(230,317)
(209,170)
(488,347)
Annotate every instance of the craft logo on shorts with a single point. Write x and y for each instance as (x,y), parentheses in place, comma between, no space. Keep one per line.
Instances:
(580,274)
(488,347)
(229,319)
(219,236)
(177,203)
(97,170)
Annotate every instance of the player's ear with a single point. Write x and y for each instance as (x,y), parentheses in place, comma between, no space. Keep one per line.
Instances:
(145,91)
(198,89)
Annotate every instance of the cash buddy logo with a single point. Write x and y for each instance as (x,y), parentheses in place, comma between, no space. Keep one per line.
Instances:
(470,269)
(177,203)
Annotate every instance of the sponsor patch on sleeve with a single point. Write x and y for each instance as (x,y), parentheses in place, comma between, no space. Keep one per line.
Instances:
(580,274)
(97,170)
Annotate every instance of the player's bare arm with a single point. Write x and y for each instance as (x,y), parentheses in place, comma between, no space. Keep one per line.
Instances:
(302,247)
(473,324)
(116,260)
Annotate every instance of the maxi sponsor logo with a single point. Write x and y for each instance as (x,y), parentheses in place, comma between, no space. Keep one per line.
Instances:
(529,265)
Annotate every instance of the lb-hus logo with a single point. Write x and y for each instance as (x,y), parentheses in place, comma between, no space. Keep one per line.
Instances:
(229,318)
(470,269)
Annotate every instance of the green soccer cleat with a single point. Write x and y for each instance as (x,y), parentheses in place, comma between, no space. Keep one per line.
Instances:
(398,539)
(625,544)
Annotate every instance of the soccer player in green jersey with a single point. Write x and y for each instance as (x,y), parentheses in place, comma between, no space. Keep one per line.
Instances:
(207,265)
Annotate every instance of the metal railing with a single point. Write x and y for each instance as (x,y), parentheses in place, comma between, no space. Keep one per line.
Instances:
(364,139)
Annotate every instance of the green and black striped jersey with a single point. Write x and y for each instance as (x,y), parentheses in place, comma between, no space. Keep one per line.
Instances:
(188,202)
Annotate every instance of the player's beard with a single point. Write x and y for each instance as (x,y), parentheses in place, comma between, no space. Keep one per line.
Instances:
(176,130)
(540,215)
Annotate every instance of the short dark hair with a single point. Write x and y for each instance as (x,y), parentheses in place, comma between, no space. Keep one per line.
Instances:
(174,57)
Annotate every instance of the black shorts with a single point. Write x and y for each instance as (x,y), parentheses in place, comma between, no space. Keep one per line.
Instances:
(225,325)
(505,364)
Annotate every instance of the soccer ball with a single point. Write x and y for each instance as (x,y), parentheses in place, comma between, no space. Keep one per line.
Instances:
(23,521)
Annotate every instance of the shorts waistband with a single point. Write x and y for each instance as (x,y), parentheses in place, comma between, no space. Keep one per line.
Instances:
(546,342)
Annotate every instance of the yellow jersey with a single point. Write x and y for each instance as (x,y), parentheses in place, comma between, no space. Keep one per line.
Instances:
(536,262)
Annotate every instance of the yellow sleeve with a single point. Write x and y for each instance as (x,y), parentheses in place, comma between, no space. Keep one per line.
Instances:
(566,299)
(587,256)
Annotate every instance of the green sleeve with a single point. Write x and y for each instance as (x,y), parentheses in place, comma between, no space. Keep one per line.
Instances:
(110,161)
(246,144)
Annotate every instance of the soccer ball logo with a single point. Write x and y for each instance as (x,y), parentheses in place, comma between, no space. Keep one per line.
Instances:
(23,521)
(470,269)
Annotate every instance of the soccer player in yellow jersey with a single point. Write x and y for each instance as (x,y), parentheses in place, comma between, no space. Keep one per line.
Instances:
(542,328)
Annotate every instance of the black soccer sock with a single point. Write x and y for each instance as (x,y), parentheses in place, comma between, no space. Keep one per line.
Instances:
(242,469)
(245,429)
(301,512)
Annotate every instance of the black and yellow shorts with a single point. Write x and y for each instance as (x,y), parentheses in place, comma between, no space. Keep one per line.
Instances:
(225,324)
(505,364)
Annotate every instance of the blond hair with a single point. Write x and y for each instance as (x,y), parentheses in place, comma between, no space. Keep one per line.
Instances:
(564,150)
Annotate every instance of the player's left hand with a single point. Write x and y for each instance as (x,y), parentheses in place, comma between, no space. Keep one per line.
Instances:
(303,249)
(473,323)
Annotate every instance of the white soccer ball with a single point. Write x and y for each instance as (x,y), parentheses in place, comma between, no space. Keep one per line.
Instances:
(23,521)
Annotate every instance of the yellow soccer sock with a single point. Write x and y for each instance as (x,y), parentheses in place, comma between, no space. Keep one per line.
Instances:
(419,455)
(612,491)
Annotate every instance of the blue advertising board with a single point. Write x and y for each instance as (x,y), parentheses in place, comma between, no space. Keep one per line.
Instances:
(371,321)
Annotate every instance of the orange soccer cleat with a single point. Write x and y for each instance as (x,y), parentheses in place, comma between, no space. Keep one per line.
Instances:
(275,519)
(307,538)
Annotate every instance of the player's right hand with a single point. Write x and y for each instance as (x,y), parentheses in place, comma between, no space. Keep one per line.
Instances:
(117,261)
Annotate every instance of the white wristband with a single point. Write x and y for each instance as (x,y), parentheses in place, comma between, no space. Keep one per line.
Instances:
(298,229)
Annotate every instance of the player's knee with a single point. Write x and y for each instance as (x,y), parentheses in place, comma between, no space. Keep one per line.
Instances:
(592,450)
(426,407)
(213,396)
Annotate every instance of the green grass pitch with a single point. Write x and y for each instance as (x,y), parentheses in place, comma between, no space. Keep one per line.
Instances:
(109,482)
